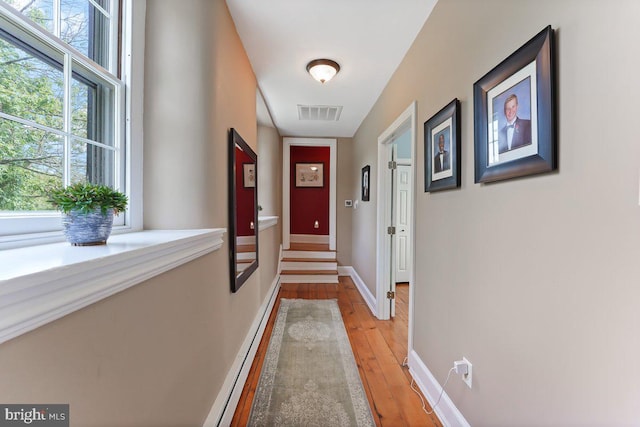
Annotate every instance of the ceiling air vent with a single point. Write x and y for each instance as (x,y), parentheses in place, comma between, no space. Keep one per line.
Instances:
(326,113)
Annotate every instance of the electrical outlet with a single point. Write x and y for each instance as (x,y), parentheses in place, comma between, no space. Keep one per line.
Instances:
(469,375)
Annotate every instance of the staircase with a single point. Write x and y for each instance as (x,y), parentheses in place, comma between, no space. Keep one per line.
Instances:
(309,263)
(246,254)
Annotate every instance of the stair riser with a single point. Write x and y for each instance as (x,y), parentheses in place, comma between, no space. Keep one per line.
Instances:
(309,254)
(303,278)
(297,265)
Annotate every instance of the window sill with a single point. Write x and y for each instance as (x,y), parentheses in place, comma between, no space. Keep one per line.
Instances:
(40,284)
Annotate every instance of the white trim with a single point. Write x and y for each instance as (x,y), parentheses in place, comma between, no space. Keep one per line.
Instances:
(384,250)
(265,222)
(286,169)
(309,238)
(224,406)
(34,239)
(43,283)
(362,287)
(310,254)
(310,265)
(446,411)
(133,16)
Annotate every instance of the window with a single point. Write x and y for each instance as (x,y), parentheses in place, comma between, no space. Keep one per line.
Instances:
(61,105)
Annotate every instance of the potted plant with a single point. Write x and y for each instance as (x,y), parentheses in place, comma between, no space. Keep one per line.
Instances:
(88,211)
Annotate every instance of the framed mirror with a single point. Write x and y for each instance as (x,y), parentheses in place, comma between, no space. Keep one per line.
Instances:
(243,210)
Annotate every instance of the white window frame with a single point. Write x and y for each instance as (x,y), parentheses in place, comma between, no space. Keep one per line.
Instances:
(40,227)
(42,283)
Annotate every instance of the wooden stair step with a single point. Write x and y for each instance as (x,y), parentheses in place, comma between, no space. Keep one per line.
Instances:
(308,260)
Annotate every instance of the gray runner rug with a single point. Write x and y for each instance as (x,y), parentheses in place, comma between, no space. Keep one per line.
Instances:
(309,376)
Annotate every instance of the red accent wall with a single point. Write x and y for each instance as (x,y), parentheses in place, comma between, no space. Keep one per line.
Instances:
(244,197)
(309,204)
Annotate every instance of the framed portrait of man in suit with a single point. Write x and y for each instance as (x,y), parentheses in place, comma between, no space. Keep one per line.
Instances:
(514,114)
(511,115)
(442,149)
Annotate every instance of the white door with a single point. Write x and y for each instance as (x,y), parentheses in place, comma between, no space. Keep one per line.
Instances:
(403,224)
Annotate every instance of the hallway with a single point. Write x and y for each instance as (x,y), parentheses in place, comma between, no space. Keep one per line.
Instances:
(379,348)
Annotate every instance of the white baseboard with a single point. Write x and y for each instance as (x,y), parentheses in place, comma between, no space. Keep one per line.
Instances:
(224,407)
(446,411)
(309,238)
(362,287)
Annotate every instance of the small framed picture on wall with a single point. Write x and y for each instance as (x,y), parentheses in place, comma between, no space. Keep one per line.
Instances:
(366,181)
(515,114)
(309,174)
(442,149)
(249,175)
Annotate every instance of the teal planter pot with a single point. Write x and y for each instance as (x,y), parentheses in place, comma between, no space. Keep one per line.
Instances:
(87,229)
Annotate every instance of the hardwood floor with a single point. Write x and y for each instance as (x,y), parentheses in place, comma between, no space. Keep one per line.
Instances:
(379,348)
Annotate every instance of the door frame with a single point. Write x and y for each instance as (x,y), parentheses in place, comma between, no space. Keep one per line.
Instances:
(384,251)
(286,178)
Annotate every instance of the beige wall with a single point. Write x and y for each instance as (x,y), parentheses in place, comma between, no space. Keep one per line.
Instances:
(270,171)
(146,356)
(344,191)
(158,353)
(270,198)
(363,231)
(534,280)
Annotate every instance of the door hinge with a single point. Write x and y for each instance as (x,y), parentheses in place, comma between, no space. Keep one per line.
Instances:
(391,230)
(393,165)
(391,295)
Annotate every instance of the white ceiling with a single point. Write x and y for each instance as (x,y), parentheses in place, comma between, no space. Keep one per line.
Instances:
(368,38)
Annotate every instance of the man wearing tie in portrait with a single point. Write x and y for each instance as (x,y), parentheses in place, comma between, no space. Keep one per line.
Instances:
(517,132)
(441,159)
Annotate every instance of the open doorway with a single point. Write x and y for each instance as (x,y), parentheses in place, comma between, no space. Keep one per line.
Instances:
(402,205)
(328,184)
(395,227)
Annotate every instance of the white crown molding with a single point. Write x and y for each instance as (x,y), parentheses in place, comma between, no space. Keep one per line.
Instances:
(40,284)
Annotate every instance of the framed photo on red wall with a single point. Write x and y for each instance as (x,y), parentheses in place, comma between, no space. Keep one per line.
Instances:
(310,175)
(249,175)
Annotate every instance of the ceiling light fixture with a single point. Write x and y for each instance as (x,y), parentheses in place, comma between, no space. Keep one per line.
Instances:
(323,70)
